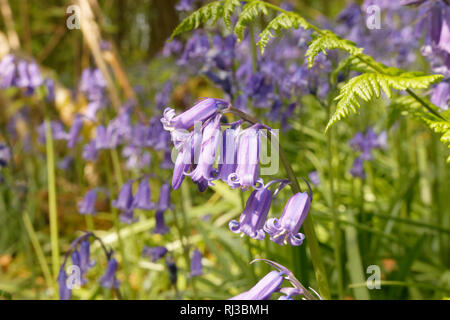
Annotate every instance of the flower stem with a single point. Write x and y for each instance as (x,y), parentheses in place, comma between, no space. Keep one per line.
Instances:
(119,181)
(52,207)
(248,243)
(308,225)
(336,227)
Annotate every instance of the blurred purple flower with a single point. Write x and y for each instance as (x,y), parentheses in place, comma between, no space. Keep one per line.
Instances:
(108,280)
(154,253)
(142,199)
(160,224)
(125,199)
(164,197)
(64,292)
(87,205)
(196,264)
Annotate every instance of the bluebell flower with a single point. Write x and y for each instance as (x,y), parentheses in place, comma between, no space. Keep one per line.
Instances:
(201,111)
(74,131)
(125,199)
(167,162)
(7,71)
(128,217)
(87,205)
(247,169)
(5,155)
(57,130)
(92,84)
(64,292)
(290,293)
(286,229)
(196,264)
(441,95)
(228,155)
(106,137)
(154,253)
(160,224)
(195,49)
(109,280)
(358,168)
(50,85)
(142,199)
(85,262)
(65,163)
(187,157)
(204,171)
(164,197)
(90,152)
(314,178)
(35,78)
(76,261)
(184,5)
(173,270)
(253,218)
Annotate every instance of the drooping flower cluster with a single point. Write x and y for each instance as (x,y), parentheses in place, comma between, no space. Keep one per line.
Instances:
(5,155)
(365,143)
(239,157)
(93,85)
(236,150)
(196,264)
(20,73)
(79,252)
(127,203)
(154,253)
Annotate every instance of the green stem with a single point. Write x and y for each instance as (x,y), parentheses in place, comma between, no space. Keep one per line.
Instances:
(119,181)
(51,282)
(336,226)
(308,225)
(248,244)
(53,213)
(185,231)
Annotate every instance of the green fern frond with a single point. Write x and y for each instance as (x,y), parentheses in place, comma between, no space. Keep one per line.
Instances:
(285,20)
(210,12)
(328,41)
(249,13)
(369,85)
(228,9)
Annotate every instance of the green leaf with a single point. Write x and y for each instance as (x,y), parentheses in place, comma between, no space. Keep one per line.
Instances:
(249,13)
(285,20)
(367,86)
(328,41)
(210,12)
(228,9)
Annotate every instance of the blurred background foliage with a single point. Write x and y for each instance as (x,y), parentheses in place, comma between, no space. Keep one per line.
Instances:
(396,218)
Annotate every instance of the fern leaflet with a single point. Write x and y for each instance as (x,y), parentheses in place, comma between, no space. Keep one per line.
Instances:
(210,12)
(285,20)
(368,85)
(327,40)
